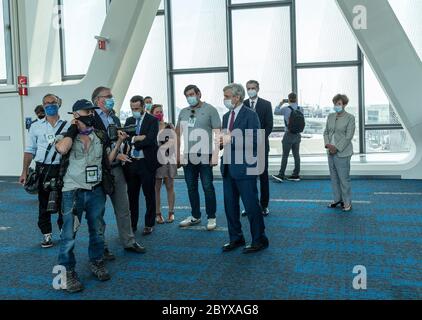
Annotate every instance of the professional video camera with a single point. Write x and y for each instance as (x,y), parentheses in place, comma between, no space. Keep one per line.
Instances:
(113,131)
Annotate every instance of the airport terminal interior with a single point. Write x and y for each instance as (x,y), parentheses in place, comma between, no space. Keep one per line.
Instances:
(369,50)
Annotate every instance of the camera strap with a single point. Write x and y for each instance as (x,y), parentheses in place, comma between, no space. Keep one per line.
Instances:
(50,146)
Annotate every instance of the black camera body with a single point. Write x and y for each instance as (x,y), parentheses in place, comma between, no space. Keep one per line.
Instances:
(113,131)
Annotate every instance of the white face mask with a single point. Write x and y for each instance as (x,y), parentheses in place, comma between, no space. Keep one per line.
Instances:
(252,94)
(229,104)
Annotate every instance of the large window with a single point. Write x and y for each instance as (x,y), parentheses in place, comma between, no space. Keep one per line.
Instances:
(302,46)
(81,21)
(6,73)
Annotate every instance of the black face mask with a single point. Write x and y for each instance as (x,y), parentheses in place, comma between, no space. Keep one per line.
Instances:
(87,120)
(41,116)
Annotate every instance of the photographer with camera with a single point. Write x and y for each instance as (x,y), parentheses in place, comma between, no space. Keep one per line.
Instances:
(86,179)
(106,120)
(40,147)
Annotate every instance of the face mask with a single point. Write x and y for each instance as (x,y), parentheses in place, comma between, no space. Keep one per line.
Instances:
(86,132)
(338,109)
(160,117)
(87,120)
(137,115)
(148,107)
(51,110)
(252,93)
(109,104)
(41,116)
(193,101)
(229,104)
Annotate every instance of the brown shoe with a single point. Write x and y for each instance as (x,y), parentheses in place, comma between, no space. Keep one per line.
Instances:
(147,231)
(171,217)
(159,219)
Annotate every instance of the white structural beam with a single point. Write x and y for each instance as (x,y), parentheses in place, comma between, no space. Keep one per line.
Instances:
(127,26)
(395,63)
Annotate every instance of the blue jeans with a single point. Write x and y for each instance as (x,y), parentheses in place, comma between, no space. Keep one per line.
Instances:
(74,204)
(192,174)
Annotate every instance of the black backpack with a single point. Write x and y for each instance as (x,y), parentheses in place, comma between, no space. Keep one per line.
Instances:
(296,121)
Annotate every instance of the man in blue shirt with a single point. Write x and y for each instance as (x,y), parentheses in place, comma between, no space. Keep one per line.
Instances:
(291,141)
(42,134)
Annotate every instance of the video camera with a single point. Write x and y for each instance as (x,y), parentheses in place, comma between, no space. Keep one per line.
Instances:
(114,135)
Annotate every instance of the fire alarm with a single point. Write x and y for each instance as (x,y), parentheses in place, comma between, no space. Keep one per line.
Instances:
(102,42)
(23,91)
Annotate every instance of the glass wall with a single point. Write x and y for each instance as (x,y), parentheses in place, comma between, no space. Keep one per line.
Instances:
(78,29)
(6,70)
(302,46)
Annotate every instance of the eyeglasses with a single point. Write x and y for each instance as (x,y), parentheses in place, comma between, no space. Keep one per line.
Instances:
(110,96)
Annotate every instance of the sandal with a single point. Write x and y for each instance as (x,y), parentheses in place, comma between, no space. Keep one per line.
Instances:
(335,205)
(171,217)
(159,219)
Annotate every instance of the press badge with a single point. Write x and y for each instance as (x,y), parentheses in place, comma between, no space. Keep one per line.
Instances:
(50,138)
(191,122)
(92,174)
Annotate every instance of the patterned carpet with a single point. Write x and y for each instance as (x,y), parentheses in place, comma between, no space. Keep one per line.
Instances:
(312,253)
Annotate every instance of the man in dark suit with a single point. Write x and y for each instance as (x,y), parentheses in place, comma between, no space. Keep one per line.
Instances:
(265,114)
(140,172)
(240,177)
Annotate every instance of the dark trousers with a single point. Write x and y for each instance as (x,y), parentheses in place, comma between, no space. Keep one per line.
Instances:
(264,184)
(291,142)
(247,190)
(138,176)
(192,174)
(44,217)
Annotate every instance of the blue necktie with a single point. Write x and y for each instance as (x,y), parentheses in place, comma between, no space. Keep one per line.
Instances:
(136,153)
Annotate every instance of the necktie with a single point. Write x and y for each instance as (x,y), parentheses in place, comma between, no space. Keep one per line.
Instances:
(253,105)
(136,153)
(231,126)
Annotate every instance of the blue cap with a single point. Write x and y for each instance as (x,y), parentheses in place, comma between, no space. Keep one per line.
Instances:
(83,105)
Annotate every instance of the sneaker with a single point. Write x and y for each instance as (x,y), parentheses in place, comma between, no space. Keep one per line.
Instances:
(99,270)
(212,224)
(279,178)
(48,241)
(294,178)
(191,221)
(73,284)
(108,255)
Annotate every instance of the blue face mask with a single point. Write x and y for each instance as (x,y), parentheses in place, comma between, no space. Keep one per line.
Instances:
(109,104)
(51,110)
(338,109)
(148,107)
(193,101)
(137,115)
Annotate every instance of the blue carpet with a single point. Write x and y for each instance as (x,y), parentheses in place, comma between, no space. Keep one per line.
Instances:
(312,253)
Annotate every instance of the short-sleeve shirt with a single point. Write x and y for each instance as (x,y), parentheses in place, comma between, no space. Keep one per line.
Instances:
(206,118)
(41,134)
(79,160)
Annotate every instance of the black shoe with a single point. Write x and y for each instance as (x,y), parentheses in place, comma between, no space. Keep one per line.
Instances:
(47,242)
(147,231)
(279,178)
(265,212)
(136,248)
(108,256)
(234,245)
(244,214)
(99,270)
(256,247)
(335,205)
(294,178)
(73,284)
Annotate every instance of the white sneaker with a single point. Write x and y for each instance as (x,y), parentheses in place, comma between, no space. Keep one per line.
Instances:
(212,224)
(191,221)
